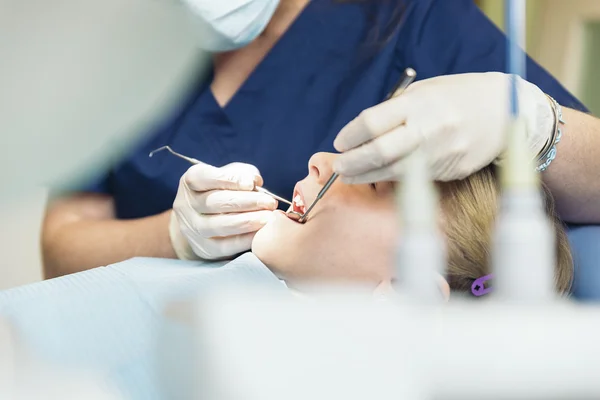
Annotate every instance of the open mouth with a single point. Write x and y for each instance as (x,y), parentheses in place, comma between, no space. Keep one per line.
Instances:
(298,201)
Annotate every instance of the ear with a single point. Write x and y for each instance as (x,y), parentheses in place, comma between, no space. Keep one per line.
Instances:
(444,287)
(385,287)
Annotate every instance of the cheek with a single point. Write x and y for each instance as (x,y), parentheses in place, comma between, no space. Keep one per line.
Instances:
(369,242)
(350,244)
(340,243)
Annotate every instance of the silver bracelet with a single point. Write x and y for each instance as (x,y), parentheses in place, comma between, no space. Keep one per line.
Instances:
(548,156)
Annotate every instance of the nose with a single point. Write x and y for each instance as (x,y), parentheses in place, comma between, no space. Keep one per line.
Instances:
(320,166)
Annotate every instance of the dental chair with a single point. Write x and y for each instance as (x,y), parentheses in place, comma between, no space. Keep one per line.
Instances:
(585,242)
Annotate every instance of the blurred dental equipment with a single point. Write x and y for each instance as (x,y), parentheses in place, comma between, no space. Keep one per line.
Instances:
(408,76)
(194,161)
(523,252)
(23,377)
(81,80)
(345,347)
(523,255)
(421,253)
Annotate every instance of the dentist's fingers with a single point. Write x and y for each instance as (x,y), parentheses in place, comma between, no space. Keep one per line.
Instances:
(245,170)
(378,153)
(204,177)
(373,122)
(221,225)
(216,211)
(230,201)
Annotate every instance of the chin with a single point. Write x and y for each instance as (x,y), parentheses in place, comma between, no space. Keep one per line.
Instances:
(270,242)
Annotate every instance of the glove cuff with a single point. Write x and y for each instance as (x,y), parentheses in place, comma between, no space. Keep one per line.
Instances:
(539,114)
(180,245)
(537,110)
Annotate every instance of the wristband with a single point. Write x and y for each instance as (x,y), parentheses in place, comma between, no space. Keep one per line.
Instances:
(548,153)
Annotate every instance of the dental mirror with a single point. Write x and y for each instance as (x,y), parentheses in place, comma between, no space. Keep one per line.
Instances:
(295,215)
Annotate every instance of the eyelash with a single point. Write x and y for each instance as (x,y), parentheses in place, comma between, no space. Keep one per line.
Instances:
(373,186)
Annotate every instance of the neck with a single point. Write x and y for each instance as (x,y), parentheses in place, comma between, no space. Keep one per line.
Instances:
(232,68)
(284,16)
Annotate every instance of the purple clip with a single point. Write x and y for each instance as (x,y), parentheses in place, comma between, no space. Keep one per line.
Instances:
(478,288)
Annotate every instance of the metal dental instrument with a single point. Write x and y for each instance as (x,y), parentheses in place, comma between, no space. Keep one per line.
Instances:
(302,217)
(176,154)
(407,78)
(194,161)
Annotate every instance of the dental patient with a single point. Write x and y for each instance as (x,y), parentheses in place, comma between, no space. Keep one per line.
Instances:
(107,319)
(352,233)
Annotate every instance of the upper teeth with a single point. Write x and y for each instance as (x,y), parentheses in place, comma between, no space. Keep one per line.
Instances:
(298,201)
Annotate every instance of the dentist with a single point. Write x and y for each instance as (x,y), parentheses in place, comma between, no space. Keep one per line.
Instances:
(460,121)
(287,77)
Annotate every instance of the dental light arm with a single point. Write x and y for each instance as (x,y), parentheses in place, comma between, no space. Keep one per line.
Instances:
(81,80)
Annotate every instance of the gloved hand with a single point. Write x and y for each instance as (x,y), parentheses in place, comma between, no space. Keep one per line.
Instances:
(216,213)
(459,120)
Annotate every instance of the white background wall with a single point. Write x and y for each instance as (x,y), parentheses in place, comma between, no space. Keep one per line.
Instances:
(20,260)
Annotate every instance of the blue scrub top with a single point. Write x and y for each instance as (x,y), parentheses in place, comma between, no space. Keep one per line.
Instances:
(334,61)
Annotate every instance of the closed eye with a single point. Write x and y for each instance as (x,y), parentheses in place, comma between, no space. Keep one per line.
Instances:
(382,188)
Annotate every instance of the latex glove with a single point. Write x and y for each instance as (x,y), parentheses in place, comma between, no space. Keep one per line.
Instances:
(459,120)
(216,213)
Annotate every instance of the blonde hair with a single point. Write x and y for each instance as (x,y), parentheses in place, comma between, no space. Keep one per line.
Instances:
(471,206)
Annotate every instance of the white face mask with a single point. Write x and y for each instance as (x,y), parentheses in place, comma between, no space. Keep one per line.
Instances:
(225,25)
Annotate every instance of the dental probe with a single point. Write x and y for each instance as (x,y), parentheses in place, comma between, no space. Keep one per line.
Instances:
(194,161)
(407,78)
(176,154)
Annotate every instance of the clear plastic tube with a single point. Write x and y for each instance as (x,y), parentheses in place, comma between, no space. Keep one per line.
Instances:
(523,247)
(421,253)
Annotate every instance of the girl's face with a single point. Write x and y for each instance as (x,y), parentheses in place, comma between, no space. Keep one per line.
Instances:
(350,235)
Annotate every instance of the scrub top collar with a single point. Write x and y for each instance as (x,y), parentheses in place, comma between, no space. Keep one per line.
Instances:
(323,31)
